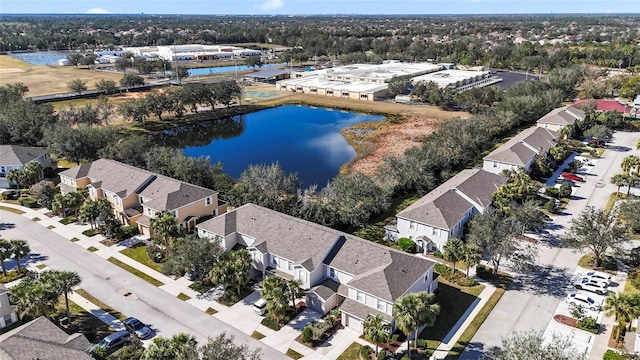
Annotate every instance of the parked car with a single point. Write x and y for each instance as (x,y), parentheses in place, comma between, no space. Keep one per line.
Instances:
(260,307)
(596,286)
(561,180)
(599,276)
(112,342)
(137,327)
(584,300)
(572,177)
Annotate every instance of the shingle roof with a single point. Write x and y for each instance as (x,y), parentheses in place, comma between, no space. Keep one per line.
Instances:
(268,73)
(562,116)
(447,204)
(361,311)
(523,147)
(377,269)
(41,339)
(164,193)
(19,155)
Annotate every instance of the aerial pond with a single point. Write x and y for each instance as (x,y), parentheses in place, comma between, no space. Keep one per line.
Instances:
(304,140)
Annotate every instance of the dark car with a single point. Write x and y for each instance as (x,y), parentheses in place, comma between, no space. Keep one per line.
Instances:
(572,177)
(137,327)
(112,342)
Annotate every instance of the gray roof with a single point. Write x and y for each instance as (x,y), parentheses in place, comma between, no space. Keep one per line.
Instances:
(41,339)
(328,288)
(523,147)
(19,155)
(268,73)
(447,204)
(361,311)
(164,193)
(562,116)
(377,269)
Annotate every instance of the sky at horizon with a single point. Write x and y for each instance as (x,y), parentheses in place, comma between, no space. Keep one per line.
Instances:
(301,7)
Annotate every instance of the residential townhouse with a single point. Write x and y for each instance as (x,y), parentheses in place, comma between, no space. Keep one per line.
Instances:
(521,150)
(7,311)
(138,195)
(357,276)
(17,156)
(559,118)
(443,212)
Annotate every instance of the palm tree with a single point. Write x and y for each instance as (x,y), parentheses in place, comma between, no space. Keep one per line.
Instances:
(294,291)
(618,306)
(20,249)
(619,180)
(75,200)
(413,311)
(471,256)
(65,282)
(164,226)
(630,162)
(5,252)
(89,212)
(33,172)
(220,273)
(35,296)
(633,180)
(16,176)
(453,251)
(376,329)
(274,293)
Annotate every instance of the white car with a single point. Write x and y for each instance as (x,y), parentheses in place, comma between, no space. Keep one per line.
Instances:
(595,275)
(593,285)
(585,301)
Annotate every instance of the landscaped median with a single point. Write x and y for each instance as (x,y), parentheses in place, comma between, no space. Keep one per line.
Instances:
(135,272)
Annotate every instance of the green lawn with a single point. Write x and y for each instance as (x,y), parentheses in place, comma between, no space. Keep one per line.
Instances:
(82,321)
(15,211)
(51,227)
(211,311)
(139,254)
(183,297)
(293,354)
(473,327)
(352,352)
(74,239)
(92,248)
(256,335)
(92,299)
(454,301)
(135,272)
(36,219)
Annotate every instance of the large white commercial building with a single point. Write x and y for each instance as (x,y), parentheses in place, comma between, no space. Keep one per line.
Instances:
(191,52)
(457,79)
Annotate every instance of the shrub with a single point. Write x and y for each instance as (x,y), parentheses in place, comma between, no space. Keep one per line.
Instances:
(589,324)
(395,337)
(550,206)
(407,245)
(127,232)
(564,191)
(610,355)
(330,319)
(68,220)
(443,269)
(466,282)
(365,352)
(306,335)
(634,277)
(336,313)
(552,191)
(405,357)
(382,354)
(609,263)
(422,343)
(156,253)
(438,254)
(28,202)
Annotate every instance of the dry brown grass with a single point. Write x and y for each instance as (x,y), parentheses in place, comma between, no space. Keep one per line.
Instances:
(44,80)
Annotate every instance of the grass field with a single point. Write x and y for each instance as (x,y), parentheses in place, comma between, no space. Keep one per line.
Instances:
(139,254)
(43,80)
(135,272)
(352,352)
(92,299)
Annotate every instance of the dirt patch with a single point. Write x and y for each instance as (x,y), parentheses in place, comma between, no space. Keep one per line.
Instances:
(11,71)
(566,320)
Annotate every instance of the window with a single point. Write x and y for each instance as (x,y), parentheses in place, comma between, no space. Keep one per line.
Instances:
(175,213)
(149,212)
(435,232)
(413,225)
(360,296)
(116,199)
(2,169)
(290,265)
(495,164)
(332,273)
(207,201)
(274,261)
(302,276)
(382,306)
(141,199)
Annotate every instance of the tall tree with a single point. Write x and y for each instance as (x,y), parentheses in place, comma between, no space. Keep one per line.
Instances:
(108,86)
(619,180)
(5,252)
(164,227)
(530,216)
(77,86)
(413,311)
(223,347)
(598,231)
(471,256)
(532,345)
(376,329)
(44,192)
(179,347)
(17,177)
(33,172)
(20,250)
(274,293)
(64,282)
(453,251)
(197,255)
(618,306)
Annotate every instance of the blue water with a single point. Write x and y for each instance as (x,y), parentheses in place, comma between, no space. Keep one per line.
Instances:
(40,57)
(227,69)
(302,139)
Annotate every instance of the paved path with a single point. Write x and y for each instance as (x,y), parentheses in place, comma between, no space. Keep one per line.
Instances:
(238,320)
(532,299)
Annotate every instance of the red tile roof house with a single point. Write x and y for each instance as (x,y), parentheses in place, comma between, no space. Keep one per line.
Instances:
(607,105)
(137,195)
(443,212)
(359,277)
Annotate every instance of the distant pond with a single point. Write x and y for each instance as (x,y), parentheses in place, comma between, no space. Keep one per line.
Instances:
(302,139)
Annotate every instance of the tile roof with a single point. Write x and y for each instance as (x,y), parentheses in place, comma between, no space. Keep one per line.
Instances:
(41,339)
(377,269)
(19,155)
(606,105)
(164,193)
(447,204)
(562,116)
(523,147)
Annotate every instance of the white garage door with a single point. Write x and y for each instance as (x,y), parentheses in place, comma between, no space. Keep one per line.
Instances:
(354,323)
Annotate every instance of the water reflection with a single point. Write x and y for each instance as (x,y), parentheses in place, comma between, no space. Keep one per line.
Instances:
(304,140)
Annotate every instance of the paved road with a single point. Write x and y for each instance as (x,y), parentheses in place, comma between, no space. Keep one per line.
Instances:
(532,299)
(108,283)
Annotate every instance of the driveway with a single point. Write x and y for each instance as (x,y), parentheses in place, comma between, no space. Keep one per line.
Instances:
(533,298)
(167,314)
